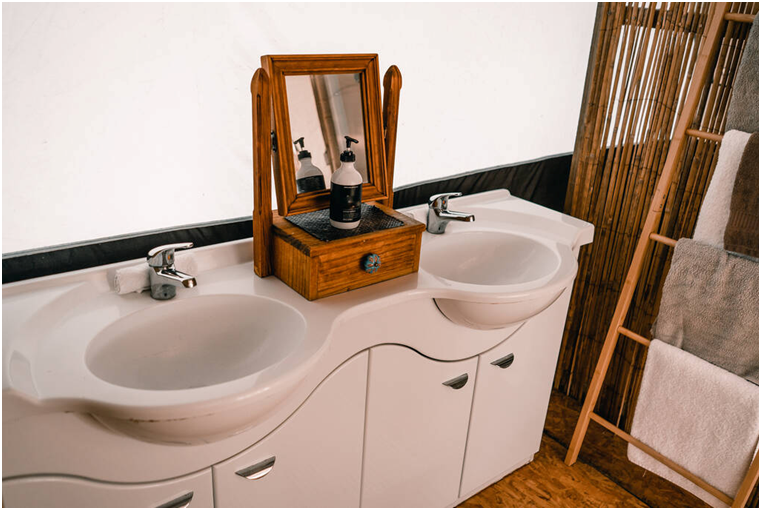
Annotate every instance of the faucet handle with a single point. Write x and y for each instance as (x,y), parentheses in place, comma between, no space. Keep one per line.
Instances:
(440,201)
(163,256)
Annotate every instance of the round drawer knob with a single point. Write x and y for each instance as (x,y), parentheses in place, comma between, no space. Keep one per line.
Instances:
(372,263)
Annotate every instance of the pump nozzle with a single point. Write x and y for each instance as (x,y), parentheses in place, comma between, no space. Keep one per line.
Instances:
(348,155)
(303,153)
(349,140)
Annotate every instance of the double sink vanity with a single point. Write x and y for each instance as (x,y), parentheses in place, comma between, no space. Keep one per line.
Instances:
(418,391)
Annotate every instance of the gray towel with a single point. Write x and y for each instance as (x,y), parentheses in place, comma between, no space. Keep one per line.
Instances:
(710,307)
(743,113)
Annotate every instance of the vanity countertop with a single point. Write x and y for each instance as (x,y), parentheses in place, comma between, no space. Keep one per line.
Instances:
(49,322)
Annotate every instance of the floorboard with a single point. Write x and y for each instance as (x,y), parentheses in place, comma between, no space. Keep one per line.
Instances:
(607,453)
(548,482)
(603,477)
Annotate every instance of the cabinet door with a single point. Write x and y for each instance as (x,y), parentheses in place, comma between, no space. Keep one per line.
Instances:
(194,490)
(313,459)
(511,399)
(416,428)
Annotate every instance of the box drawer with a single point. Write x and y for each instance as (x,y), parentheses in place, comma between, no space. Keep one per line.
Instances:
(317,269)
(343,270)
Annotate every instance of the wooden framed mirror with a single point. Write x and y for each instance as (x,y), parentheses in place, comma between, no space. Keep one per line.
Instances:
(317,100)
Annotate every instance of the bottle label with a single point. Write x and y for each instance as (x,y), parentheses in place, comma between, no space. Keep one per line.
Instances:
(345,203)
(308,184)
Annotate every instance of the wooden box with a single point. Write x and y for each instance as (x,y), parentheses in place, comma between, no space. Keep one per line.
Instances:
(317,269)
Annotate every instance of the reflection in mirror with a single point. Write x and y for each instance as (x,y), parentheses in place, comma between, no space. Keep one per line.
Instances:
(324,108)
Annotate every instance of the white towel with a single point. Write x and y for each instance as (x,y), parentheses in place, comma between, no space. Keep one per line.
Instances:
(700,416)
(715,209)
(136,278)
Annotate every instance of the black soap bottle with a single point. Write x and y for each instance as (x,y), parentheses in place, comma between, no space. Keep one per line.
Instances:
(345,195)
(308,177)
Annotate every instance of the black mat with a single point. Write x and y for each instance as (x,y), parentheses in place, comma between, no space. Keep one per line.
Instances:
(317,223)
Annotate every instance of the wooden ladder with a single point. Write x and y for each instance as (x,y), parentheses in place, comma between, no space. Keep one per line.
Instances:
(718,16)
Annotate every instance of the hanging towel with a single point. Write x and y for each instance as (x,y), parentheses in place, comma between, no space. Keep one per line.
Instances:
(700,416)
(715,209)
(742,230)
(710,307)
(743,112)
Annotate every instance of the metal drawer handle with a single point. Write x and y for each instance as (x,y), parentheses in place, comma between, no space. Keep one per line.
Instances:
(258,470)
(182,501)
(504,362)
(458,382)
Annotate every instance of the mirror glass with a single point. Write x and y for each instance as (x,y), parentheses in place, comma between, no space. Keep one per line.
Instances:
(324,109)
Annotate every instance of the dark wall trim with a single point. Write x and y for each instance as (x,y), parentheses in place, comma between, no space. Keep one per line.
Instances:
(543,181)
(83,255)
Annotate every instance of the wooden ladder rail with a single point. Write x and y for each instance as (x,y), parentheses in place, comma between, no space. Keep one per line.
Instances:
(719,16)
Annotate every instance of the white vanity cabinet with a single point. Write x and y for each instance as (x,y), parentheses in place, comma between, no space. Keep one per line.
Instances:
(313,459)
(194,490)
(511,397)
(416,428)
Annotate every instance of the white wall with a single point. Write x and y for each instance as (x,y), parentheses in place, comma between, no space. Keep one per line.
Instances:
(120,118)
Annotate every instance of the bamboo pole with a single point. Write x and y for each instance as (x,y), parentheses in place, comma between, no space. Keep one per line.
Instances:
(674,153)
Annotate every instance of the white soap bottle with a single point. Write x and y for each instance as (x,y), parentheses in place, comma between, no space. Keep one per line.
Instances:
(345,195)
(308,177)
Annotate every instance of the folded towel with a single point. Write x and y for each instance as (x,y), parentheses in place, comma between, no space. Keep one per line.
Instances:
(715,209)
(710,307)
(743,112)
(136,278)
(742,230)
(702,417)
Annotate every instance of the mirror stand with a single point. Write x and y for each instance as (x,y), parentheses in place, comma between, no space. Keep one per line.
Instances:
(262,158)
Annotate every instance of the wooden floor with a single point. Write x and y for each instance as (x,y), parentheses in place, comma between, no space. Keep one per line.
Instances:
(601,478)
(548,482)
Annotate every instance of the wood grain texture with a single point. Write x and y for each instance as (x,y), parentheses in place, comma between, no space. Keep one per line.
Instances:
(317,269)
(367,66)
(392,83)
(548,482)
(262,215)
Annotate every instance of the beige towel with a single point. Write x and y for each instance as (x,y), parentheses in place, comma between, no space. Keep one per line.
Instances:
(702,417)
(715,209)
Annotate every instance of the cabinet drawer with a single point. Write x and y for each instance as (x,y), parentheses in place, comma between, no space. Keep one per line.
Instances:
(313,459)
(343,270)
(194,490)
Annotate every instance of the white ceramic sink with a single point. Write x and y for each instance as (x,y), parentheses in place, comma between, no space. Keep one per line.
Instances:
(491,259)
(501,277)
(195,342)
(201,367)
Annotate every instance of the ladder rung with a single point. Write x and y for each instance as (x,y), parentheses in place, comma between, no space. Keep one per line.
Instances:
(661,458)
(662,239)
(704,135)
(741,18)
(632,335)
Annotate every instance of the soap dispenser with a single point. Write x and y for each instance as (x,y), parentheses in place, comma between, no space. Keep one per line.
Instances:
(345,196)
(308,177)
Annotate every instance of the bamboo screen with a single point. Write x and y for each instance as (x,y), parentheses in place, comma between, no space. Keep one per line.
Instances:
(641,62)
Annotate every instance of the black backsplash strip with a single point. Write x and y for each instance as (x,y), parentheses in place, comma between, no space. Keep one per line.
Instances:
(69,257)
(543,181)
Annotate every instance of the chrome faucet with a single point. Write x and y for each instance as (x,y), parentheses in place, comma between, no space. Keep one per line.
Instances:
(438,215)
(164,277)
